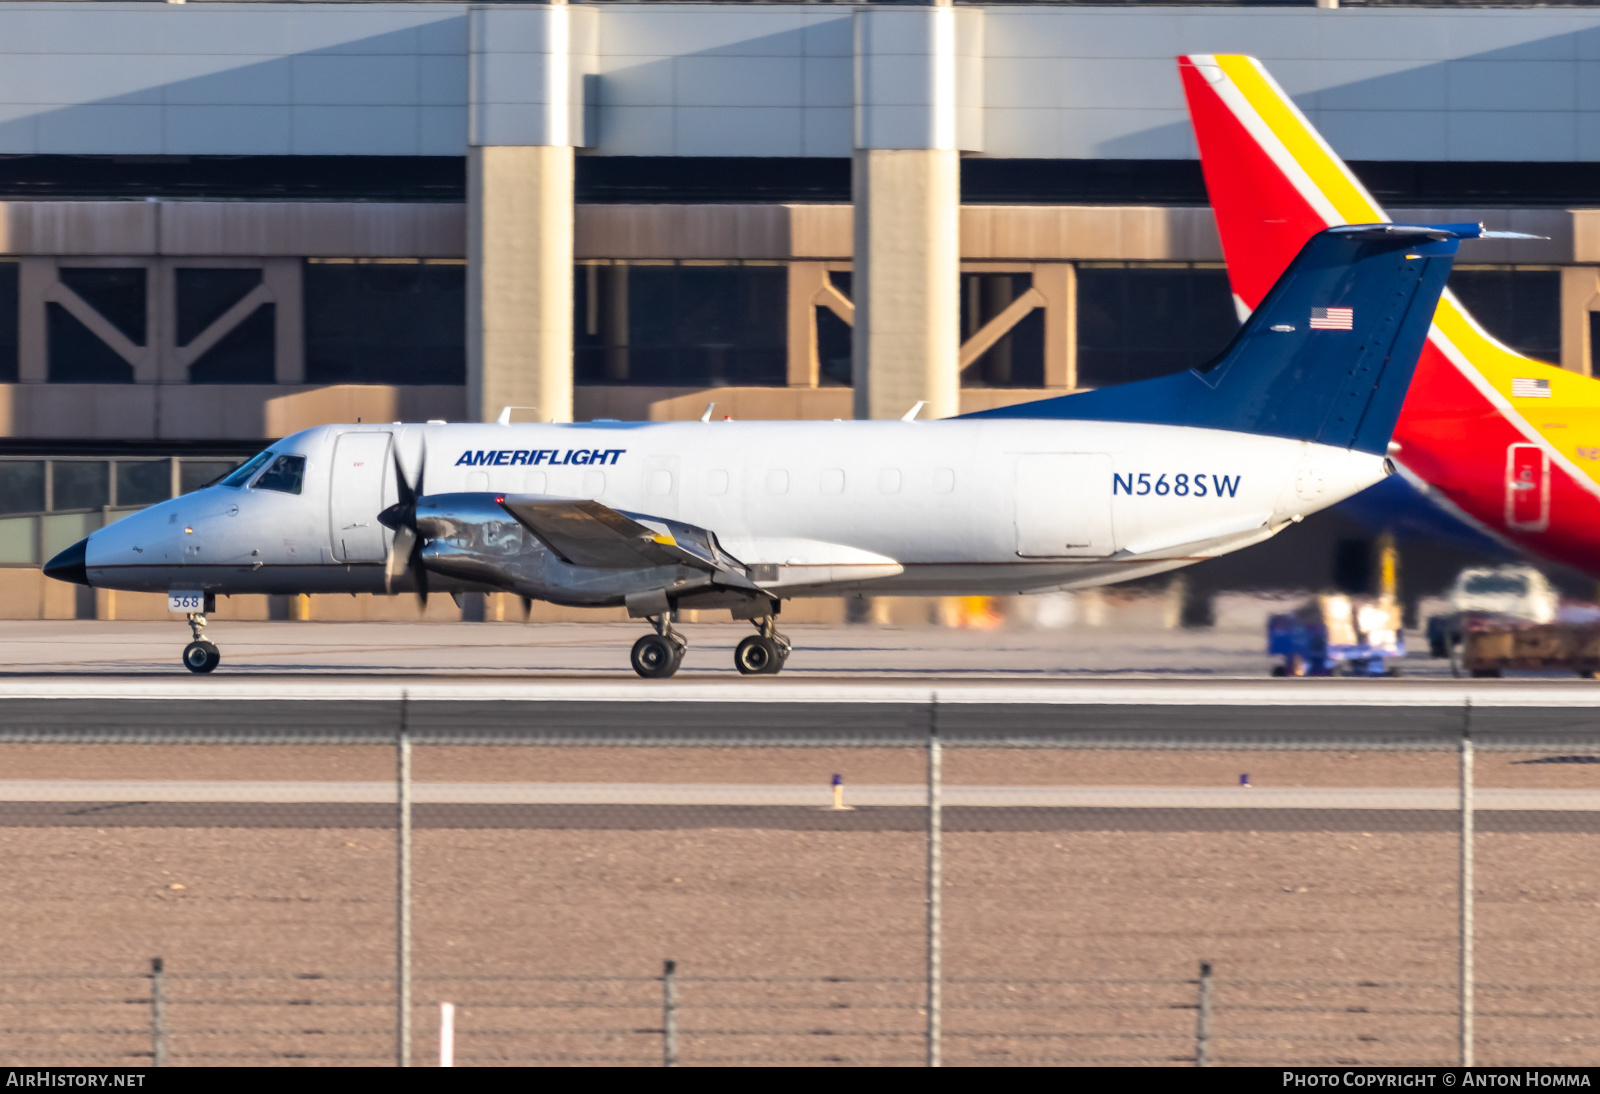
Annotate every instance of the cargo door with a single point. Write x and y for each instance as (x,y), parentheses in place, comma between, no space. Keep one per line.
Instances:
(1063,506)
(356,496)
(1527,488)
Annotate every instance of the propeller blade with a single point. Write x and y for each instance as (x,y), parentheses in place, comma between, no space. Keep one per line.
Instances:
(419,572)
(405,554)
(399,556)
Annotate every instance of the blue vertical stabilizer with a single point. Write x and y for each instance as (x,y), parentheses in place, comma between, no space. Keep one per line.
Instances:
(1327,357)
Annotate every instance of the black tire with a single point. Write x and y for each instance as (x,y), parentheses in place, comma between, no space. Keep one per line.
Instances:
(1279,670)
(656,658)
(201,657)
(757,656)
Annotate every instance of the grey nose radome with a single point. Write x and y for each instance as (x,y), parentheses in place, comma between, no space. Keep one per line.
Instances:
(69,565)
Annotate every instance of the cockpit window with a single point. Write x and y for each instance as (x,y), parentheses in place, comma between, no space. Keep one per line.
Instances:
(242,476)
(285,475)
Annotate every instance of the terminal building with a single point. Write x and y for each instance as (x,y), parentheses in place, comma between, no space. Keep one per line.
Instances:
(223,222)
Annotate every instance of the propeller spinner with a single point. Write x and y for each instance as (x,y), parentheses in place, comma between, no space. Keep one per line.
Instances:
(401,519)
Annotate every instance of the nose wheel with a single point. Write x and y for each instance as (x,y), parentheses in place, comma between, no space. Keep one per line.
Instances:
(762,654)
(200,656)
(657,656)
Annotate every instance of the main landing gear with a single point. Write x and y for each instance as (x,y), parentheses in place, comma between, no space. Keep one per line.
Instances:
(762,654)
(200,655)
(657,656)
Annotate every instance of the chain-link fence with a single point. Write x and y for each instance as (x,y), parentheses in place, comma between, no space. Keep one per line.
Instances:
(825,882)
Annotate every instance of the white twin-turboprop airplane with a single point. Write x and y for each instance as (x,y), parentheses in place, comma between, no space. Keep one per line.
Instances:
(1068,492)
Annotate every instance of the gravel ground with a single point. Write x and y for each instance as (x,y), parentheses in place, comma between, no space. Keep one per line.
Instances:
(1066,945)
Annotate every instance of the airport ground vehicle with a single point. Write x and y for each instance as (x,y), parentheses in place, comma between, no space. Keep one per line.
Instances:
(1508,592)
(1338,635)
(1490,644)
(1503,442)
(1070,492)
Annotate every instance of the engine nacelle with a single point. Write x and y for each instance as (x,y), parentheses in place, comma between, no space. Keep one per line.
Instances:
(475,539)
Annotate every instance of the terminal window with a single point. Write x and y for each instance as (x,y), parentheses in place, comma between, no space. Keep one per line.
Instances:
(681,324)
(76,354)
(387,322)
(247,353)
(8,323)
(1141,320)
(1519,305)
(1017,359)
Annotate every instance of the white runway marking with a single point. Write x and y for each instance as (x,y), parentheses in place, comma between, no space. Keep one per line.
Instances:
(1106,797)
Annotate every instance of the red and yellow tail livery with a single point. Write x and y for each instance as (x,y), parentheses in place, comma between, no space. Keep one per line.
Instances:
(1509,442)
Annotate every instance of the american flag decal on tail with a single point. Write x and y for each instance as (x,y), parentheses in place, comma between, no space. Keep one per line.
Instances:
(1530,389)
(1333,318)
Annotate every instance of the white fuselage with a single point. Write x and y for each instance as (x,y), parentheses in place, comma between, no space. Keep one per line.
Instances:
(814,508)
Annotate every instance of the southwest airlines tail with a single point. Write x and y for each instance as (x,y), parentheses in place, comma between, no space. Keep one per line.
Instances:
(1509,442)
(1327,357)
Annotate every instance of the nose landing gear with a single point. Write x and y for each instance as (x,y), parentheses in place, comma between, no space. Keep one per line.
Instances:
(762,654)
(199,655)
(657,656)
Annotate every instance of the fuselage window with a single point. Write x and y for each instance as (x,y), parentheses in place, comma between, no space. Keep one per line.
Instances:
(944,480)
(716,482)
(285,475)
(889,480)
(594,483)
(660,483)
(242,476)
(833,480)
(777,481)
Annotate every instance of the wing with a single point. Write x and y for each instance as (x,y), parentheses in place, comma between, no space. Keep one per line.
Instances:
(587,533)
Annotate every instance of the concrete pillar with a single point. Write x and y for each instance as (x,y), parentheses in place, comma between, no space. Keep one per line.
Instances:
(907,282)
(917,76)
(519,280)
(529,69)
(1057,282)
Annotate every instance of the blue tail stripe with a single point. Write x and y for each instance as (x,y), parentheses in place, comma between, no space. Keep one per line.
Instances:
(1339,382)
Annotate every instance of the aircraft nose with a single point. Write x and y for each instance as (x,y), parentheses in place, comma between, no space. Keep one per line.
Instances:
(71,564)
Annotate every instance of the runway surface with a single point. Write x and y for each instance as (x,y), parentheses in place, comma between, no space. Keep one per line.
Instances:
(1108,713)
(599,651)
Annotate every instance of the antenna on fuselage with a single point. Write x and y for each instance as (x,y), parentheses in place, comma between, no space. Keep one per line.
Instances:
(505,414)
(911,414)
(706,417)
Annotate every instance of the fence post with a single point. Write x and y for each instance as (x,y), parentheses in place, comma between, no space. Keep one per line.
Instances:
(158,1012)
(935,888)
(669,1014)
(1202,1025)
(403,892)
(1466,896)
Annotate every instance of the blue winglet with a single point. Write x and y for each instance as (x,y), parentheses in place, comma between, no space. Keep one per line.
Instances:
(1327,357)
